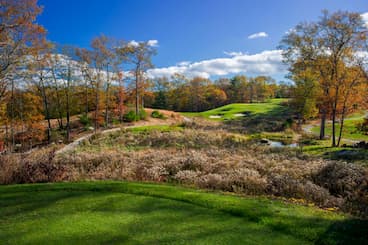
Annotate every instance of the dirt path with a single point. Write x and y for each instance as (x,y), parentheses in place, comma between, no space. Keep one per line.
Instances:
(307,128)
(172,118)
(76,142)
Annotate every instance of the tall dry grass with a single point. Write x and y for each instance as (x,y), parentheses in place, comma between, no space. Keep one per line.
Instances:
(211,159)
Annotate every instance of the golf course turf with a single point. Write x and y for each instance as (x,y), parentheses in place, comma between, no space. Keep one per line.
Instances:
(143,213)
(231,110)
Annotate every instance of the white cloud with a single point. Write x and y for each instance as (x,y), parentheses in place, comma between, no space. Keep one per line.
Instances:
(233,53)
(365,18)
(183,63)
(268,62)
(291,30)
(152,43)
(133,43)
(258,35)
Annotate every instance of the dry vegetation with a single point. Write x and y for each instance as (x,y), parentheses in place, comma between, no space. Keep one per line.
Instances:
(196,156)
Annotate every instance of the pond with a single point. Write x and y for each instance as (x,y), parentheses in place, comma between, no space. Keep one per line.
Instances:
(272,143)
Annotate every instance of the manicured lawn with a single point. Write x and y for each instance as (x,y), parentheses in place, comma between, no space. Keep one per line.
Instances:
(230,111)
(322,148)
(350,130)
(137,213)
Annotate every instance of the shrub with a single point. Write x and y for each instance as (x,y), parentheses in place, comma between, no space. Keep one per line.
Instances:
(142,114)
(212,159)
(287,186)
(343,179)
(348,181)
(130,116)
(157,114)
(363,126)
(85,120)
(33,168)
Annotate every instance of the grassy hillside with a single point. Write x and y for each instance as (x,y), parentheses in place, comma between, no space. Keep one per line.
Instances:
(230,111)
(350,130)
(136,213)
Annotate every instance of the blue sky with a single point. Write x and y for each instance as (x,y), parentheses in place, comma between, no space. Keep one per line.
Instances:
(196,37)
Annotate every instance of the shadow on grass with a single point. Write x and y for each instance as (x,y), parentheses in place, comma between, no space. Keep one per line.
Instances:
(350,231)
(275,120)
(348,154)
(112,212)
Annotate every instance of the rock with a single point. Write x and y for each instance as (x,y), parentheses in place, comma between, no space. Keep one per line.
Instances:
(346,154)
(265,141)
(362,145)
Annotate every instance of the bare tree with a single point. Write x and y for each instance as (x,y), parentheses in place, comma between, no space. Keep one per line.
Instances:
(140,55)
(19,35)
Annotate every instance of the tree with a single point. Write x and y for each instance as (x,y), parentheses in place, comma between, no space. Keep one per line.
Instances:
(92,69)
(120,96)
(40,76)
(25,109)
(197,97)
(238,90)
(161,87)
(19,34)
(177,95)
(68,80)
(139,54)
(342,34)
(284,90)
(305,95)
(326,47)
(353,89)
(84,65)
(55,61)
(215,97)
(107,58)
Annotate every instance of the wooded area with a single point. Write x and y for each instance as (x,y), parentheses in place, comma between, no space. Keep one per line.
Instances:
(42,82)
(328,64)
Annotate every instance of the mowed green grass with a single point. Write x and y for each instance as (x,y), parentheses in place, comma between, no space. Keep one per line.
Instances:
(228,111)
(350,130)
(138,213)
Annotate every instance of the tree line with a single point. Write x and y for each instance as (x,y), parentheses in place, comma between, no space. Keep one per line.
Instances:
(40,80)
(43,84)
(179,93)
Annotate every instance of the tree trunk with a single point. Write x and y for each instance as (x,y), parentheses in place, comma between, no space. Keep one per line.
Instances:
(334,112)
(107,106)
(333,128)
(107,98)
(120,101)
(12,118)
(97,101)
(58,103)
(341,127)
(68,106)
(323,125)
(46,107)
(86,98)
(136,93)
